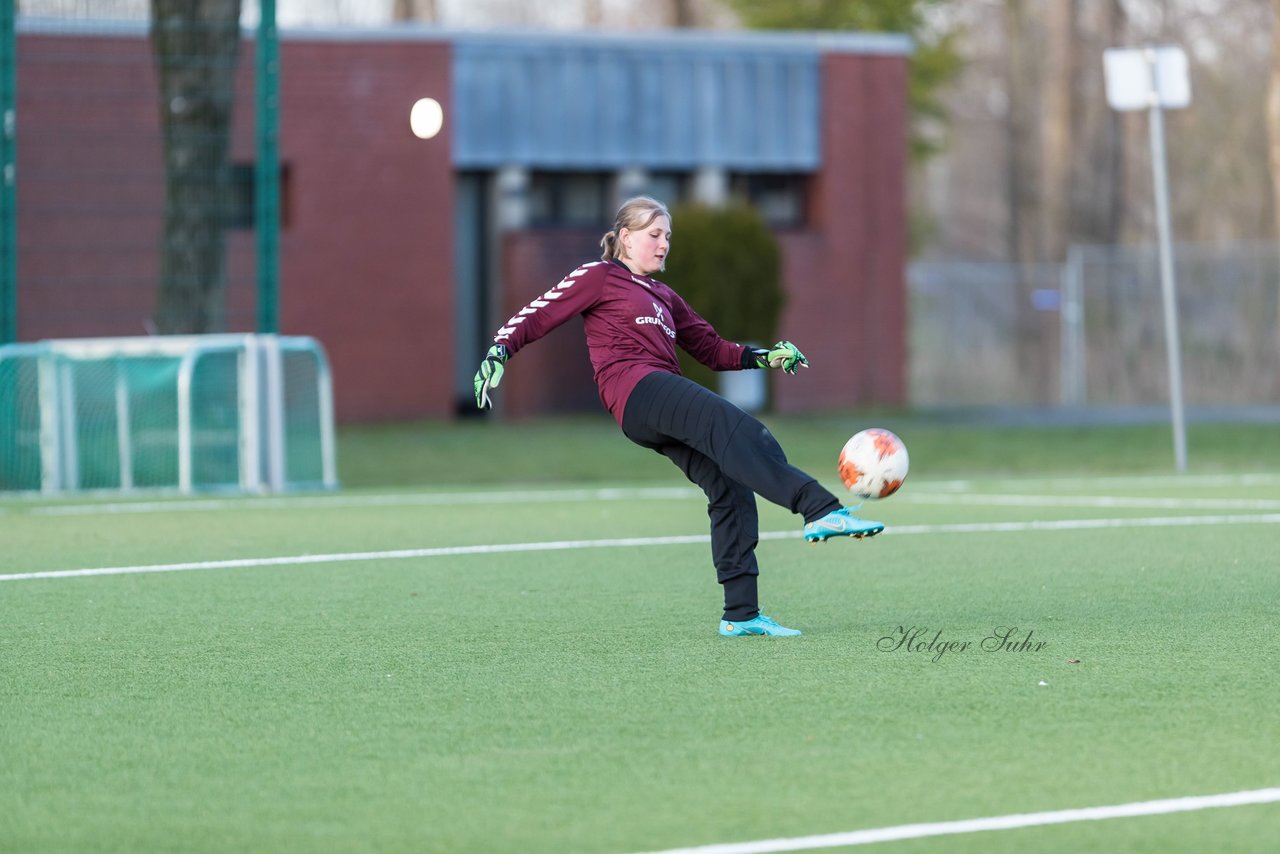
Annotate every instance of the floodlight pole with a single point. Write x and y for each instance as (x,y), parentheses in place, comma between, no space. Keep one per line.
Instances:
(1168,287)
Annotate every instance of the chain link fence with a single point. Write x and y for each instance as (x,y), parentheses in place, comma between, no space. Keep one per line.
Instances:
(138,215)
(1091,331)
(981,333)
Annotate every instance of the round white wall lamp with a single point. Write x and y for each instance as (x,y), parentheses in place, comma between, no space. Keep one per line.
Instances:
(426,118)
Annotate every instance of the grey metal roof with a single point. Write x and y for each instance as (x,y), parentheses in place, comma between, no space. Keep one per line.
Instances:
(580,101)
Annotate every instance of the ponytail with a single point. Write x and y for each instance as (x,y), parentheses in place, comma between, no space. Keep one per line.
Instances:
(609,243)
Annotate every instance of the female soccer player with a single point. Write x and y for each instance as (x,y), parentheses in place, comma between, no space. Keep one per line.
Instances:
(633,323)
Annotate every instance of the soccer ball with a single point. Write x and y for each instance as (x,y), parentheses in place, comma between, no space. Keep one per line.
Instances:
(873,463)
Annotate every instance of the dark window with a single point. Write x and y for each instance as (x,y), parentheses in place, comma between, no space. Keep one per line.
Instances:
(569,199)
(241,213)
(670,188)
(781,198)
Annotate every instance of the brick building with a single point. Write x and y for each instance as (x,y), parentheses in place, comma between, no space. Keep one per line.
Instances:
(403,254)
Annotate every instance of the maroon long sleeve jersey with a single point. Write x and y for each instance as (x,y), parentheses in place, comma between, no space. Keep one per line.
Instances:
(633,324)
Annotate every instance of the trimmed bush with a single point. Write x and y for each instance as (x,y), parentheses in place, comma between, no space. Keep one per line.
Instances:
(726,263)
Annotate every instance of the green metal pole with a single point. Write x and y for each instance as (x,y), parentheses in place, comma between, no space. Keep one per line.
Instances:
(267,171)
(8,176)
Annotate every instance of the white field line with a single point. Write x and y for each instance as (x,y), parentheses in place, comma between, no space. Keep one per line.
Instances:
(934,492)
(635,542)
(1013,500)
(322,502)
(1095,482)
(343,557)
(1000,822)
(1079,524)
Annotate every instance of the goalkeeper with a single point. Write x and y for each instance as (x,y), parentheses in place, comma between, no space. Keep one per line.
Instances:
(633,323)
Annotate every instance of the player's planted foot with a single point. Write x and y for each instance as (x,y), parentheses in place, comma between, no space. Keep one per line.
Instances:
(840,523)
(760,625)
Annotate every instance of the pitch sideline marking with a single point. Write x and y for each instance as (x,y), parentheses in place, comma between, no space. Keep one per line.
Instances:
(1001,822)
(1093,481)
(631,542)
(323,502)
(943,489)
(1093,501)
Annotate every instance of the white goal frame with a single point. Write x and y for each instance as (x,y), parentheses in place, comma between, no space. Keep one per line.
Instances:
(260,405)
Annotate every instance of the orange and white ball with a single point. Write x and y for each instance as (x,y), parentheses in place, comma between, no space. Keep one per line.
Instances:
(873,463)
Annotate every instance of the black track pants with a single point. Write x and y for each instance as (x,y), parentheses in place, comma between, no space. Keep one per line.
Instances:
(732,457)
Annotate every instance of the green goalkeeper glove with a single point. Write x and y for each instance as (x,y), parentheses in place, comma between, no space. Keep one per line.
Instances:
(783,355)
(490,374)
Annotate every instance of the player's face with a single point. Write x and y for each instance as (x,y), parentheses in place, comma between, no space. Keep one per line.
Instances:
(645,249)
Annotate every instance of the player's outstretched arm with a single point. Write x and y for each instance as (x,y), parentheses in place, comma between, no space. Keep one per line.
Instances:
(490,374)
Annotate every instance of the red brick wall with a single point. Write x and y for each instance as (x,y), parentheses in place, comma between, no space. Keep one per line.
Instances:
(91,189)
(367,262)
(366,255)
(846,282)
(90,186)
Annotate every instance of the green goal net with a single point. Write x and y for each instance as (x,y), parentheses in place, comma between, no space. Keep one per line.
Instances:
(247,413)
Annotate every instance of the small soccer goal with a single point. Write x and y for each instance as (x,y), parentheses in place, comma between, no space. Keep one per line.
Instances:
(250,413)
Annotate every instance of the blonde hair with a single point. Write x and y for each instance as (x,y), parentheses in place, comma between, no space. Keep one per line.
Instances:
(635,214)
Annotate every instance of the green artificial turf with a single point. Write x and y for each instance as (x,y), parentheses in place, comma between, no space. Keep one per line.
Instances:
(579,699)
(592,448)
